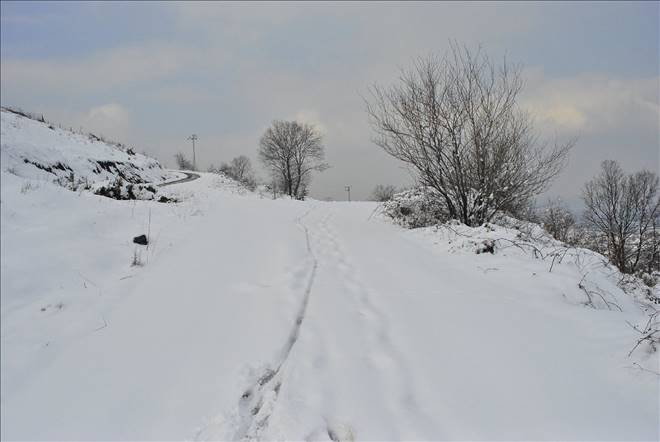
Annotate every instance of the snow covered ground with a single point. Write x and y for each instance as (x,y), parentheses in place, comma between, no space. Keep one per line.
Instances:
(275,319)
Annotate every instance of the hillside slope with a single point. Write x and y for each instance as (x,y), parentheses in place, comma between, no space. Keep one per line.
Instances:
(38,150)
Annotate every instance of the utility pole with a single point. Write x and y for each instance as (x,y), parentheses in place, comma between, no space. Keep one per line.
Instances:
(348,189)
(193,138)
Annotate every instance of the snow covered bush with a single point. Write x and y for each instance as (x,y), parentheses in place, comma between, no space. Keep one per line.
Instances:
(239,169)
(121,190)
(650,279)
(417,207)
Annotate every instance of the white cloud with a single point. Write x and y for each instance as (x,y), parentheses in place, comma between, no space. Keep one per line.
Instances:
(103,70)
(111,120)
(310,116)
(591,103)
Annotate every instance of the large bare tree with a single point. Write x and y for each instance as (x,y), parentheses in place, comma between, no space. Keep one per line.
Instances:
(625,211)
(292,151)
(455,120)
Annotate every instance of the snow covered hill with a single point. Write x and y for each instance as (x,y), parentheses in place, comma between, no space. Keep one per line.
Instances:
(252,318)
(39,150)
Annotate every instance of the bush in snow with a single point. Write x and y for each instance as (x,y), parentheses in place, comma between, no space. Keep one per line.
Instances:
(650,279)
(120,190)
(417,207)
(486,246)
(239,169)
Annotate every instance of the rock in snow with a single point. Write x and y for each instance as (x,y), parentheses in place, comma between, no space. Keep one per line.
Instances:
(141,239)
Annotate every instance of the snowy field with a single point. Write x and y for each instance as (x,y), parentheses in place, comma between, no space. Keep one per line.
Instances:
(252,318)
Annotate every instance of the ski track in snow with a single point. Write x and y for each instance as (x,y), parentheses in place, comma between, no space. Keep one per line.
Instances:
(258,401)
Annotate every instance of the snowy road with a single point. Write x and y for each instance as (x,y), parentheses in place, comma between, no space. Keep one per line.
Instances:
(293,320)
(189,177)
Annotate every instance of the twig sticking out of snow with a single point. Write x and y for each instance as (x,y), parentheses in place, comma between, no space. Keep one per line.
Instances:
(636,365)
(590,294)
(650,333)
(105,324)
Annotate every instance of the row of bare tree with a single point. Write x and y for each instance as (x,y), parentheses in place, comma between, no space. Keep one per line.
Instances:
(290,151)
(456,121)
(621,218)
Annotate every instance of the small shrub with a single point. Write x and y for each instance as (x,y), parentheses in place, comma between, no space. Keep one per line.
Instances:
(240,169)
(486,246)
(418,207)
(164,199)
(120,190)
(650,279)
(26,187)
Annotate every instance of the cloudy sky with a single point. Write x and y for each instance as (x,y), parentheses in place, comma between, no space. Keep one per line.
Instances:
(151,74)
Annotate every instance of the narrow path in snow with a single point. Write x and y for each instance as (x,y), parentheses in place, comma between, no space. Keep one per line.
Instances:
(389,366)
(388,372)
(257,402)
(345,334)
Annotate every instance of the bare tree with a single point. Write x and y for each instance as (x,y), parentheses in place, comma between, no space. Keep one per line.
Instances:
(239,169)
(455,120)
(182,162)
(625,211)
(292,151)
(558,221)
(383,192)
